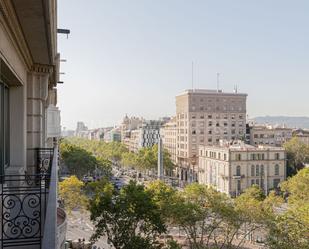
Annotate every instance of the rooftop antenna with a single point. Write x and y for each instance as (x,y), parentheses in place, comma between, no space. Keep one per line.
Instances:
(218,81)
(192,75)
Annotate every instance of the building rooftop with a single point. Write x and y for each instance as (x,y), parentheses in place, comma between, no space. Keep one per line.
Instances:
(270,127)
(210,91)
(241,146)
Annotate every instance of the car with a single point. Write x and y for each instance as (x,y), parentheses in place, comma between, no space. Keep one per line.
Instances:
(87,179)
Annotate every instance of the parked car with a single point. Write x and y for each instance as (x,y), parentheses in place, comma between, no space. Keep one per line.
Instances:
(87,179)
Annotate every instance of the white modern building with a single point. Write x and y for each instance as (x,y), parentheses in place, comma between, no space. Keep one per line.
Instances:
(146,135)
(231,167)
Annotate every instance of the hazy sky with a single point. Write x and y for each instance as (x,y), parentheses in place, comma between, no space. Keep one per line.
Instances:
(134,56)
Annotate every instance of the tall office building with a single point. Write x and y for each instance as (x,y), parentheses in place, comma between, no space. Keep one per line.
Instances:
(204,117)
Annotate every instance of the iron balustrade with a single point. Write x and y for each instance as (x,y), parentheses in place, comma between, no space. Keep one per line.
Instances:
(24,202)
(44,160)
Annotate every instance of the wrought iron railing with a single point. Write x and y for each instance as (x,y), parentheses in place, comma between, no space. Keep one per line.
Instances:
(44,160)
(23,206)
(24,202)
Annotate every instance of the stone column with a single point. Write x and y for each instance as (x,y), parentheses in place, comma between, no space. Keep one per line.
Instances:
(37,93)
(17,130)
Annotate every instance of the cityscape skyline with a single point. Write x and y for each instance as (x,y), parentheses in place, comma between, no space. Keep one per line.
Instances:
(142,53)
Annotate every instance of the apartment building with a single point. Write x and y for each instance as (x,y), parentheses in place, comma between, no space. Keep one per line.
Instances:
(302,135)
(29,126)
(269,135)
(145,136)
(168,133)
(113,135)
(233,167)
(203,118)
(128,124)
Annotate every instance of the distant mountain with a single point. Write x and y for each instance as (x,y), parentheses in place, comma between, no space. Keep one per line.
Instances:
(292,122)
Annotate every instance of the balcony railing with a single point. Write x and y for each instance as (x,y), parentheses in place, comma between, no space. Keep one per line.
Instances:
(61,227)
(25,201)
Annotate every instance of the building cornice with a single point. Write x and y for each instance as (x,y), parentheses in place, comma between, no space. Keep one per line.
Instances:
(12,26)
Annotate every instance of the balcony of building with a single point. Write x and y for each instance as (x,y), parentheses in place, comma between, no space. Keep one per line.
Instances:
(30,217)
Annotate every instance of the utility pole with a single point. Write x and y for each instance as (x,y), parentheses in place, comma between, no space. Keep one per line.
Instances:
(192,76)
(218,81)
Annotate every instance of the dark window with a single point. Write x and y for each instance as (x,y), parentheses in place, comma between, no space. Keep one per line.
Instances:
(257,170)
(252,170)
(238,171)
(276,183)
(4,128)
(262,170)
(276,170)
(238,186)
(277,156)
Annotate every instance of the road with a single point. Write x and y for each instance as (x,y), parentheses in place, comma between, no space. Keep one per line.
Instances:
(80,227)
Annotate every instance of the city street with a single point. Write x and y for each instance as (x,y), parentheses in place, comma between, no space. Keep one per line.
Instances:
(80,227)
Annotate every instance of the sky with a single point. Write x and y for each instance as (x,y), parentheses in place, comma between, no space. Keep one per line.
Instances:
(134,56)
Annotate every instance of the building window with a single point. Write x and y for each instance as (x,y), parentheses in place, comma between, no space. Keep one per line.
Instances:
(262,170)
(4,128)
(277,156)
(276,183)
(276,170)
(252,170)
(257,182)
(257,170)
(238,157)
(252,182)
(238,186)
(238,170)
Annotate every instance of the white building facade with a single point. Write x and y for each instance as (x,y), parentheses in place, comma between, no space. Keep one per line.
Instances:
(269,135)
(231,168)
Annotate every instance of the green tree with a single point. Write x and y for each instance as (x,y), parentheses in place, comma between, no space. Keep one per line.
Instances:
(80,161)
(297,155)
(164,196)
(70,191)
(128,159)
(129,218)
(290,228)
(202,212)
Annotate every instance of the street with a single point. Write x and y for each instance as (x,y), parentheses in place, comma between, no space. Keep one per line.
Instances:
(80,227)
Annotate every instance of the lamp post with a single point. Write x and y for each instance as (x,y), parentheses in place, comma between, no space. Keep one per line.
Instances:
(193,163)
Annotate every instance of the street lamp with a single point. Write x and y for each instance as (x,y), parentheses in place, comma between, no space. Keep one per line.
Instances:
(193,161)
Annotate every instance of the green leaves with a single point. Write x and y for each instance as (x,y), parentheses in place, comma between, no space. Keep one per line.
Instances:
(80,161)
(129,219)
(290,227)
(70,191)
(297,155)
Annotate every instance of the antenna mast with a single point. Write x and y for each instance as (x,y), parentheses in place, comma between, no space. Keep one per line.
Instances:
(192,75)
(218,81)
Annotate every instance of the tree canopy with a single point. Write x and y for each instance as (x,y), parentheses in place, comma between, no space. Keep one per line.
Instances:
(71,193)
(129,218)
(297,155)
(81,162)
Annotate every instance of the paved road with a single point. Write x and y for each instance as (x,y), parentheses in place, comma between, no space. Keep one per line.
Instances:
(79,227)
